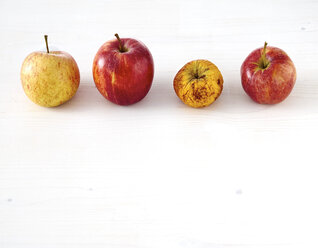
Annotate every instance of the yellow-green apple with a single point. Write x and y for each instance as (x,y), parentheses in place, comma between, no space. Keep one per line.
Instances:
(50,78)
(198,83)
(123,70)
(268,75)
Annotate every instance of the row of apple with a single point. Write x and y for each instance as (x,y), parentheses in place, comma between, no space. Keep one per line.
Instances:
(123,71)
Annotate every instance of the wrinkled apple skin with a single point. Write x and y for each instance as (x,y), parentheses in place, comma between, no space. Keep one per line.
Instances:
(273,84)
(123,78)
(198,83)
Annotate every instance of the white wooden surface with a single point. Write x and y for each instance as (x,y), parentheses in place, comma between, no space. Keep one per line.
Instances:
(158,173)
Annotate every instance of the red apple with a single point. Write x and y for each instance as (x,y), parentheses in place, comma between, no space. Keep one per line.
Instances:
(123,70)
(268,75)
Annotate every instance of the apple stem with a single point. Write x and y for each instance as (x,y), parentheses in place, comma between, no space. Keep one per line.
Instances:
(122,49)
(264,61)
(46,42)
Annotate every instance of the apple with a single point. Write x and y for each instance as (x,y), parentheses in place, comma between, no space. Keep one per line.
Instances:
(50,78)
(198,83)
(268,75)
(123,70)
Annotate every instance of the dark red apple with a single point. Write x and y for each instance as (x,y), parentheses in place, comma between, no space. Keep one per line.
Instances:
(268,75)
(123,70)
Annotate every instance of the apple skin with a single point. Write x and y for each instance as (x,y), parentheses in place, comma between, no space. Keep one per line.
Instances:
(123,78)
(50,79)
(272,84)
(198,83)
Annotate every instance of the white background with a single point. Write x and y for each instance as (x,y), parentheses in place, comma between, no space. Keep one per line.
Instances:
(159,174)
